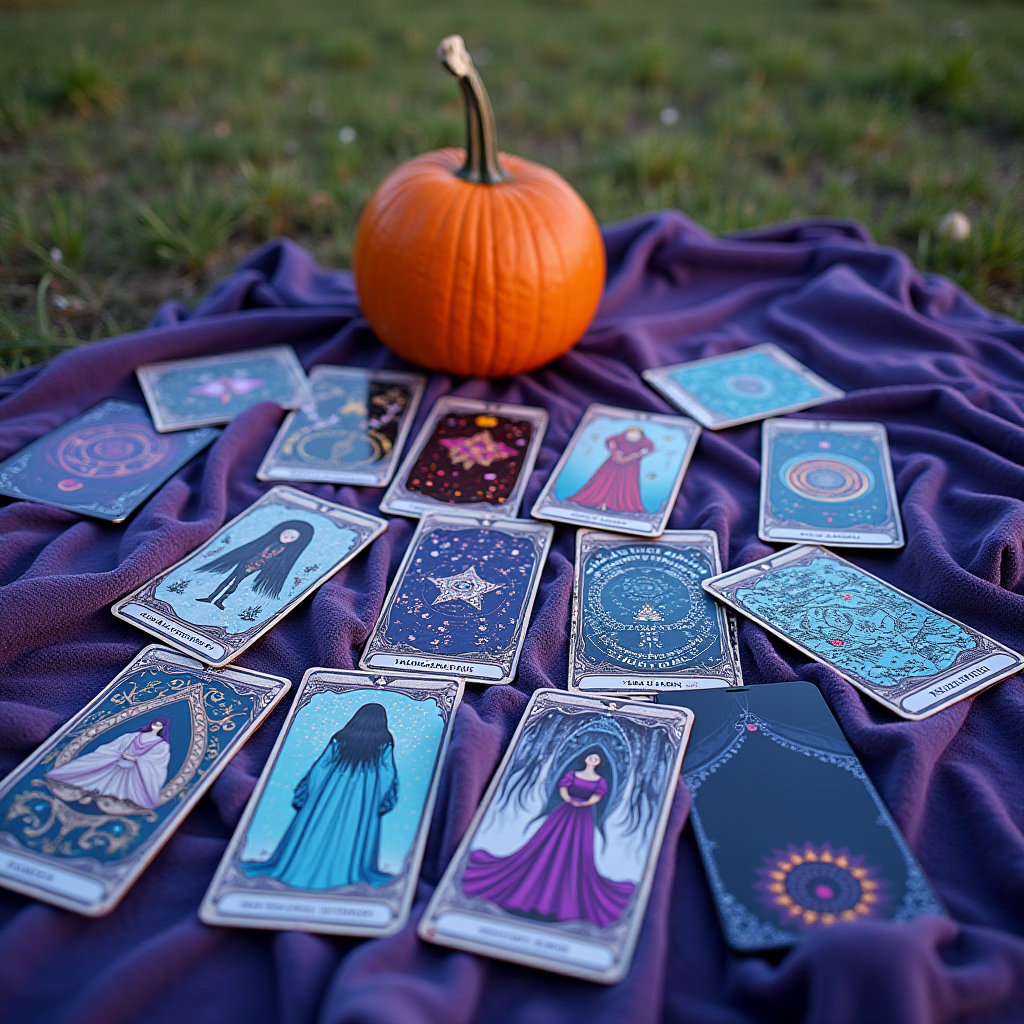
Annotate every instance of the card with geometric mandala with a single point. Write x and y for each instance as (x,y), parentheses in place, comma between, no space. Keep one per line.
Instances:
(334,833)
(794,837)
(556,868)
(82,817)
(355,432)
(905,654)
(469,457)
(828,483)
(103,463)
(741,387)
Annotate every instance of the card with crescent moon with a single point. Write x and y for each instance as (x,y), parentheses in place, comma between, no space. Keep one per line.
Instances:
(82,817)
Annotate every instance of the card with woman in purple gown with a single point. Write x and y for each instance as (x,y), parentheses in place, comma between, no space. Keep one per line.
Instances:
(556,867)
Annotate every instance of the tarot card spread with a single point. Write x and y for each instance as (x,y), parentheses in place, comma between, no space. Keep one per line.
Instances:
(218,600)
(470,457)
(908,656)
(355,432)
(333,836)
(740,387)
(184,393)
(461,601)
(640,619)
(829,483)
(104,463)
(85,814)
(558,862)
(622,470)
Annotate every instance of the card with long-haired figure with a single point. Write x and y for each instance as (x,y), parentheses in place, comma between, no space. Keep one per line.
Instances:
(333,836)
(556,868)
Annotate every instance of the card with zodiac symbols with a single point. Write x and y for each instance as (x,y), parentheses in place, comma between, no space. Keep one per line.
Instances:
(794,837)
(252,572)
(353,434)
(104,463)
(470,457)
(828,483)
(741,387)
(621,471)
(82,817)
(908,656)
(461,600)
(556,867)
(641,621)
(333,836)
(207,390)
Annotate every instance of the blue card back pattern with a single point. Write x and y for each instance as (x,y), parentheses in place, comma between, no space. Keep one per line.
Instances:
(104,463)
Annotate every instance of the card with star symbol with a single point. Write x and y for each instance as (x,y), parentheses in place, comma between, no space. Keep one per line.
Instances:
(208,390)
(461,601)
(911,658)
(470,458)
(641,621)
(828,483)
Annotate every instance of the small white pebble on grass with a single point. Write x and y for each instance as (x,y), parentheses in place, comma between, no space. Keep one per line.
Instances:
(291,147)
(669,116)
(56,255)
(62,302)
(347,134)
(955,227)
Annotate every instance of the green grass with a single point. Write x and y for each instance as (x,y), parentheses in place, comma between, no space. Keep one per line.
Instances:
(146,148)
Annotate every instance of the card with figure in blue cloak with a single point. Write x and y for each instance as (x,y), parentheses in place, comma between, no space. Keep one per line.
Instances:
(641,622)
(104,463)
(828,483)
(353,434)
(252,572)
(794,837)
(333,835)
(908,656)
(84,815)
(462,598)
(556,867)
(741,387)
(208,390)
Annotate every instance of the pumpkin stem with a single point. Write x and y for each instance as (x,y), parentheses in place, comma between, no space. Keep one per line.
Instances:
(481,134)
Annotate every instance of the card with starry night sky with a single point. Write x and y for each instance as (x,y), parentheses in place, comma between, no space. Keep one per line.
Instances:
(461,601)
(469,457)
(828,483)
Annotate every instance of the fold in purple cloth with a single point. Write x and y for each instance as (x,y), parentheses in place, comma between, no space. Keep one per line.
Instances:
(945,376)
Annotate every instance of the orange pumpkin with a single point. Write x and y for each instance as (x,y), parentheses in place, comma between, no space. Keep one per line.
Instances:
(474,263)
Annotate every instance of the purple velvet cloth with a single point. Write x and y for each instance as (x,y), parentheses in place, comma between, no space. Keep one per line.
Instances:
(945,376)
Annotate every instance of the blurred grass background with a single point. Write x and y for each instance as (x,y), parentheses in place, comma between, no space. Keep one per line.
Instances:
(146,148)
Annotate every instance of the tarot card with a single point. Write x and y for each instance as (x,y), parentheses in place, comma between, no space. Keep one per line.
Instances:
(740,387)
(461,601)
(104,463)
(622,471)
(640,619)
(82,817)
(355,432)
(252,572)
(794,837)
(184,393)
(828,483)
(556,867)
(333,836)
(908,656)
(470,457)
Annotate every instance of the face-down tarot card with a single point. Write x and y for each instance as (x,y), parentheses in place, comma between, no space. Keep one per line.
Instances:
(84,815)
(905,654)
(461,601)
(333,836)
(557,865)
(226,594)
(641,621)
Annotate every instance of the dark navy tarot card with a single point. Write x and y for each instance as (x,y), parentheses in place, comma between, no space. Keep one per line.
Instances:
(104,463)
(641,620)
(462,598)
(794,837)
(828,483)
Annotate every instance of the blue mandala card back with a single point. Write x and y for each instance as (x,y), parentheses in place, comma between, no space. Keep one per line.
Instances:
(104,463)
